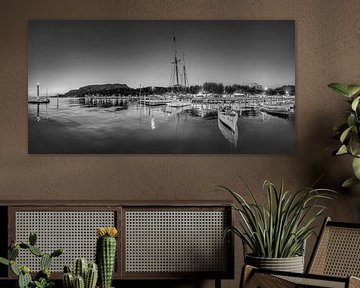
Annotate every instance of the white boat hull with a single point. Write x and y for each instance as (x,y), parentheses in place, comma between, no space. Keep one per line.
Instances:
(178,103)
(229,135)
(229,119)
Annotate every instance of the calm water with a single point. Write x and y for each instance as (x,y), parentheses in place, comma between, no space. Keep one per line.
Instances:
(74,126)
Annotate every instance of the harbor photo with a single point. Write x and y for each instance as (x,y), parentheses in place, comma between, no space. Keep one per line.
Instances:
(161,87)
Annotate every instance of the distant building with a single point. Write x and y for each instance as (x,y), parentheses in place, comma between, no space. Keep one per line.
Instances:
(257,86)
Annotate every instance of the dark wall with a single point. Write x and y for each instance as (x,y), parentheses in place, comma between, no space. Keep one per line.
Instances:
(327,50)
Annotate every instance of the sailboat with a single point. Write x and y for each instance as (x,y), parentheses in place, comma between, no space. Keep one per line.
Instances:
(175,77)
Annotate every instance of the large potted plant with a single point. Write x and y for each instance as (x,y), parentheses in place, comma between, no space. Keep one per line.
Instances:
(275,233)
(348,132)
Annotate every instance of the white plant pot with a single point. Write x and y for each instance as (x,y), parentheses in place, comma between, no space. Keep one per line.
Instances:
(291,264)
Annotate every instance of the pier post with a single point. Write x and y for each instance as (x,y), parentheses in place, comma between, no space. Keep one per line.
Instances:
(37,90)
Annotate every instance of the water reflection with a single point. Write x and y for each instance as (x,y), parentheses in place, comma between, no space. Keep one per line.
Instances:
(81,125)
(229,135)
(102,102)
(38,117)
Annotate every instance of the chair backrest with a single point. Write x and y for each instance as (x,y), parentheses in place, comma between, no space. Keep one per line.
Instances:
(337,251)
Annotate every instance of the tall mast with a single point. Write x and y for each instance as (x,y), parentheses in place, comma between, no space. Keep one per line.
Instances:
(184,72)
(176,61)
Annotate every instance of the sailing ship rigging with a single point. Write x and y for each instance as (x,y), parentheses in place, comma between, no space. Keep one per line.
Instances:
(178,81)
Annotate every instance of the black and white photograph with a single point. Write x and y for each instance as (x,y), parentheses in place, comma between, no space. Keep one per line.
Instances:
(161,87)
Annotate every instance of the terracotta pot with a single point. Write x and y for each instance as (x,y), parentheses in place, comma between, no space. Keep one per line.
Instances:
(291,264)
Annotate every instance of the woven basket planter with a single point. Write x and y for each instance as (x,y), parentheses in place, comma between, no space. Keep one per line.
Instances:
(291,264)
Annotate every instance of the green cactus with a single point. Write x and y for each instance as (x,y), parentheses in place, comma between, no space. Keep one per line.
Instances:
(36,251)
(68,280)
(105,258)
(79,282)
(57,252)
(67,269)
(45,261)
(13,253)
(80,267)
(42,278)
(24,245)
(14,268)
(24,280)
(91,276)
(44,273)
(87,272)
(32,238)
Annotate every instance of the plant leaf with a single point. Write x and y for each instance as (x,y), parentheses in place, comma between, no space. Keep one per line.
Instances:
(345,134)
(349,182)
(355,103)
(353,89)
(340,88)
(351,120)
(356,167)
(342,150)
(354,144)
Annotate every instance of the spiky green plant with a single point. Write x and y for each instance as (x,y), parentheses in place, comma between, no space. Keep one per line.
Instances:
(279,229)
(106,254)
(85,274)
(42,278)
(348,132)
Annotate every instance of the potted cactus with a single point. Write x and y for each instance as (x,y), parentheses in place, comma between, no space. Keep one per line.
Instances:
(42,278)
(106,254)
(84,275)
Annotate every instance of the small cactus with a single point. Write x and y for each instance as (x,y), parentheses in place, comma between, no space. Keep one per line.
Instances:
(80,267)
(32,238)
(13,253)
(89,272)
(91,276)
(68,280)
(24,278)
(14,268)
(79,282)
(57,252)
(45,261)
(36,251)
(44,273)
(67,269)
(106,254)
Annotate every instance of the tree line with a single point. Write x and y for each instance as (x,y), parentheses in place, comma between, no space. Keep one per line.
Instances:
(207,87)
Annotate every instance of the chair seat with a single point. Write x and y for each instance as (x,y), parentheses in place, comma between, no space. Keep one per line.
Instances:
(315,282)
(335,262)
(268,279)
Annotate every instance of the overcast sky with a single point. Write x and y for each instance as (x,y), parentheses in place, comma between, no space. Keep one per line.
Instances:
(65,55)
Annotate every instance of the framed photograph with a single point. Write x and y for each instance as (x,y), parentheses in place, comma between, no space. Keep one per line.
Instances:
(161,87)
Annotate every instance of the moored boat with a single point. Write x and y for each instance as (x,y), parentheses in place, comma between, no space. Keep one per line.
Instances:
(229,135)
(284,111)
(179,103)
(39,101)
(156,102)
(229,118)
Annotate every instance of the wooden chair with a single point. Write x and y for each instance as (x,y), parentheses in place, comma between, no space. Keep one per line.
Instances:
(334,263)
